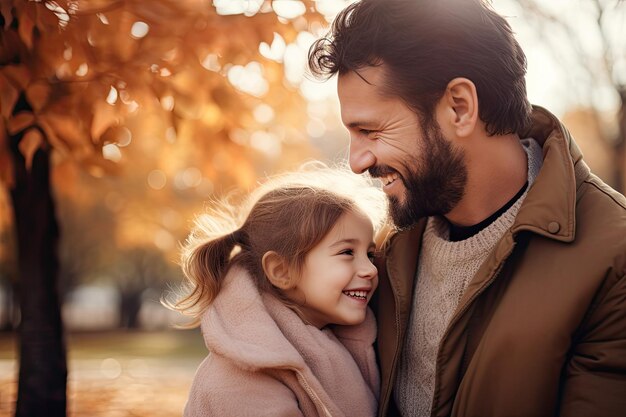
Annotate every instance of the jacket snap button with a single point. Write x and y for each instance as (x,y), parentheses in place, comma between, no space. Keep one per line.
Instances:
(554,227)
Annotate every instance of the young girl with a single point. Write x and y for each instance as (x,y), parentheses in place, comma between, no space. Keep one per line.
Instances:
(282,300)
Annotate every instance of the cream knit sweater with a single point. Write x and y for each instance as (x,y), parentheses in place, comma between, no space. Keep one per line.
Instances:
(444,270)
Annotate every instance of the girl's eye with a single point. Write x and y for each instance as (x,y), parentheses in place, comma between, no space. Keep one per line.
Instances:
(371,255)
(347,252)
(365,131)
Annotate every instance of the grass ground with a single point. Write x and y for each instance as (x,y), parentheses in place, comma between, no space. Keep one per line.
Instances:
(117,373)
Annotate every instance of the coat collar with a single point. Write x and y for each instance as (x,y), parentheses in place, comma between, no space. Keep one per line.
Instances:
(401,249)
(549,207)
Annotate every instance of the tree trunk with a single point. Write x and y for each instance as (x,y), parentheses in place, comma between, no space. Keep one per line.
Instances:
(9,313)
(130,305)
(43,367)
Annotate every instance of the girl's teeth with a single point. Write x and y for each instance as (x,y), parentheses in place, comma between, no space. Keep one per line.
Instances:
(356,294)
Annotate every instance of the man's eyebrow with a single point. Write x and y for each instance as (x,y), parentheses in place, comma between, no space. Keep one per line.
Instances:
(355,124)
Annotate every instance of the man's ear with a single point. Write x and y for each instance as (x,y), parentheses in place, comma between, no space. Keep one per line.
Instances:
(461,101)
(277,270)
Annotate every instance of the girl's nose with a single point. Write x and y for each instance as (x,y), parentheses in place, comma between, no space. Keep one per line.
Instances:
(368,270)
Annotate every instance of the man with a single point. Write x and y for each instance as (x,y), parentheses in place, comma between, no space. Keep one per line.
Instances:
(502,291)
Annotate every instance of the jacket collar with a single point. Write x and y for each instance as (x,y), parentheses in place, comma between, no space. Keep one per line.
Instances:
(549,207)
(401,249)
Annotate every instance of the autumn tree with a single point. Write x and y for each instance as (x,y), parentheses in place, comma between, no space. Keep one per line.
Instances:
(74,75)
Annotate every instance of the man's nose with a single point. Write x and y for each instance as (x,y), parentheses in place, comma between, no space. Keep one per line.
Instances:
(361,157)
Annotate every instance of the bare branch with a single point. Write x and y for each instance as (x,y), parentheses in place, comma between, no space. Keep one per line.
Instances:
(606,44)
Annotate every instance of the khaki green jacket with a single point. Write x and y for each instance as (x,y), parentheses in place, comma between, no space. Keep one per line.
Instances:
(541,328)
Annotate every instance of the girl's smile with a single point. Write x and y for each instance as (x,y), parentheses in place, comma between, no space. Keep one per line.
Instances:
(338,278)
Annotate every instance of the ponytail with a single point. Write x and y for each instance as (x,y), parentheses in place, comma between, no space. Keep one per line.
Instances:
(204,265)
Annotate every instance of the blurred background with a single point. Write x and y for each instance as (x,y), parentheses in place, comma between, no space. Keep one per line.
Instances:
(123,119)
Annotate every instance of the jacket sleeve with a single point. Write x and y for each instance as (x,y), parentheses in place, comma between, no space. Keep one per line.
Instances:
(595,377)
(220,389)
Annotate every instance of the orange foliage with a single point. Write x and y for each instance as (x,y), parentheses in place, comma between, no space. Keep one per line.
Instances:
(86,68)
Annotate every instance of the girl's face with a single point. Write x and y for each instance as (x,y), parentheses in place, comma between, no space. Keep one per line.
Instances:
(338,278)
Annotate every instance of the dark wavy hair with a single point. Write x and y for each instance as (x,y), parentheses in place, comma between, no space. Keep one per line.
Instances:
(423,45)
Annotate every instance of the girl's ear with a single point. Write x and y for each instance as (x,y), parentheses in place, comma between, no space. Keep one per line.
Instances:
(277,270)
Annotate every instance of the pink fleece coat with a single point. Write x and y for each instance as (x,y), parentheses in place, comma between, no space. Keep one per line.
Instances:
(265,361)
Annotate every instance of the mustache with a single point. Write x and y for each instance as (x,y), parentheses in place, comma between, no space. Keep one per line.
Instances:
(378,171)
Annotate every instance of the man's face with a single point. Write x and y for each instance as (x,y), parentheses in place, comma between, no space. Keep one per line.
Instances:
(423,173)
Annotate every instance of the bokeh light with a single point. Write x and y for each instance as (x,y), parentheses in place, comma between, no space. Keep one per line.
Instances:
(111,152)
(157,179)
(139,30)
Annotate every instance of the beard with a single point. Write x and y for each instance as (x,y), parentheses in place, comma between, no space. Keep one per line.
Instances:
(434,185)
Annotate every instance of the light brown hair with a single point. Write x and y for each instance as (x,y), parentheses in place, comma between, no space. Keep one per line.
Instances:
(289,215)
